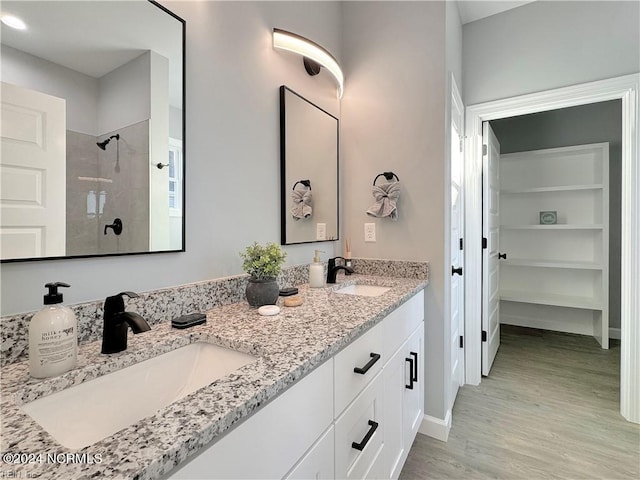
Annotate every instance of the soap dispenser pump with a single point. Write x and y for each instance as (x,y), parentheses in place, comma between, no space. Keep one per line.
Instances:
(53,336)
(316,272)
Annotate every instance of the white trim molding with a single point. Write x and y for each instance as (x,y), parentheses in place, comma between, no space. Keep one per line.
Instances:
(626,89)
(436,427)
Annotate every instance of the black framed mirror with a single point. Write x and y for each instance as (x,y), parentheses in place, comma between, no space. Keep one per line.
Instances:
(93,130)
(309,146)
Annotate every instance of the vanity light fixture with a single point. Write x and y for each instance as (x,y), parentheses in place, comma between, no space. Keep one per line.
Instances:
(13,22)
(314,56)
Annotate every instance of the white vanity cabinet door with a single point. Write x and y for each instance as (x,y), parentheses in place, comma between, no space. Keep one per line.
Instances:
(360,354)
(413,404)
(269,443)
(395,374)
(356,424)
(318,462)
(403,401)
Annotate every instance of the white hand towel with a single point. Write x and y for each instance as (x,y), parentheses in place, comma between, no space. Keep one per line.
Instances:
(386,196)
(302,202)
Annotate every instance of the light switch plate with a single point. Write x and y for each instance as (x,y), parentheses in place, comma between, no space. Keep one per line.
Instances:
(321,231)
(369,232)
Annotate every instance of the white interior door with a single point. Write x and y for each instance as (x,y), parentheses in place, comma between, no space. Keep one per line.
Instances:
(490,259)
(32,173)
(457,243)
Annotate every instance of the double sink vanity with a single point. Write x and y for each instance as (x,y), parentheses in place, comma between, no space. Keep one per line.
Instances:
(330,389)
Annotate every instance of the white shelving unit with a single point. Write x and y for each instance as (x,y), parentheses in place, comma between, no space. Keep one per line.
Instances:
(556,276)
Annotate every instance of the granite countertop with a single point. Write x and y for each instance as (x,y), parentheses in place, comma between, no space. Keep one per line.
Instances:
(288,346)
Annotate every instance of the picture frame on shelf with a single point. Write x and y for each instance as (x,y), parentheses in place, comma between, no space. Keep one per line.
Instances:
(549,217)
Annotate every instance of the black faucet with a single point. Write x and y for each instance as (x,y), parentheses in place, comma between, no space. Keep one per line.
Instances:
(332,269)
(116,322)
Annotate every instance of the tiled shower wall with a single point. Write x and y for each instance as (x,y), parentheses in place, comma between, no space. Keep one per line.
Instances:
(106,184)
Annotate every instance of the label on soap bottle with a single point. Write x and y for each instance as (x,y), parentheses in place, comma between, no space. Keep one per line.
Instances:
(53,342)
(56,346)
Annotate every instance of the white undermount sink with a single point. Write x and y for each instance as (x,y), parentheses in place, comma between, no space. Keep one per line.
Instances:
(363,290)
(87,413)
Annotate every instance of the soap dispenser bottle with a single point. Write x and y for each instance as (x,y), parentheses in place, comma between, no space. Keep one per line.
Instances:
(316,272)
(53,336)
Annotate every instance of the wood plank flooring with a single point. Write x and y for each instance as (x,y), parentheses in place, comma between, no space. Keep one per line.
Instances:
(548,410)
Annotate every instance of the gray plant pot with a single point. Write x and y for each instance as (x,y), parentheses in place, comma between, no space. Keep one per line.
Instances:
(262,292)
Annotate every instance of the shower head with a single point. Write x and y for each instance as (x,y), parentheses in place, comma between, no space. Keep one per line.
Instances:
(103,145)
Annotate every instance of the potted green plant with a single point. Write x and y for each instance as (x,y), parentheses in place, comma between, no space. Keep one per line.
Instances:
(263,263)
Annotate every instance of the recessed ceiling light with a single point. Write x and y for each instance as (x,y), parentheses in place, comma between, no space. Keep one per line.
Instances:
(13,22)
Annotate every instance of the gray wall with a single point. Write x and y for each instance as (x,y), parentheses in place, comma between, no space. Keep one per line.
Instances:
(598,122)
(80,91)
(124,96)
(545,45)
(232,145)
(393,119)
(453,44)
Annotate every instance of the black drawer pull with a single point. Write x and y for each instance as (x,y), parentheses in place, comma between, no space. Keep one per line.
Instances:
(415,357)
(374,358)
(411,380)
(360,446)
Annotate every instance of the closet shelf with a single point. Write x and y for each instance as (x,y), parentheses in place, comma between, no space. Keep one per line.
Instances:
(552,227)
(541,298)
(562,188)
(563,266)
(568,264)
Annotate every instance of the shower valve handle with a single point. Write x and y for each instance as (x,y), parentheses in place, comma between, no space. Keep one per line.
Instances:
(116,226)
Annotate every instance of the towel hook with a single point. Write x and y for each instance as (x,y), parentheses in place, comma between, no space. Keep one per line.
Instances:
(306,183)
(388,175)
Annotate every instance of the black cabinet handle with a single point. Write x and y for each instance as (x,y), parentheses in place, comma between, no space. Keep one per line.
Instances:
(360,446)
(411,367)
(456,271)
(415,358)
(502,255)
(374,358)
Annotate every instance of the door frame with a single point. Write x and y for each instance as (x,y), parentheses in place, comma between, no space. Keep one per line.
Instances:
(625,88)
(456,112)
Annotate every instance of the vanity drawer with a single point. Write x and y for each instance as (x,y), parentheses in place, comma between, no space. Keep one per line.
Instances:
(365,356)
(400,323)
(362,424)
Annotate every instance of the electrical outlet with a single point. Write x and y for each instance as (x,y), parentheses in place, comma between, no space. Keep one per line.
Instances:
(321,231)
(369,232)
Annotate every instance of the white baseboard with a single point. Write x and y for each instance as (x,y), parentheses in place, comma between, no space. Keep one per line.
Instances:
(436,427)
(544,324)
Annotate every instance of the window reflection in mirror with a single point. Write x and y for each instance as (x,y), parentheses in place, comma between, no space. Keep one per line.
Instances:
(84,126)
(309,170)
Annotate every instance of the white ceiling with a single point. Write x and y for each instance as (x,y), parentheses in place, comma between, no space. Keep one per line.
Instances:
(96,37)
(472,10)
